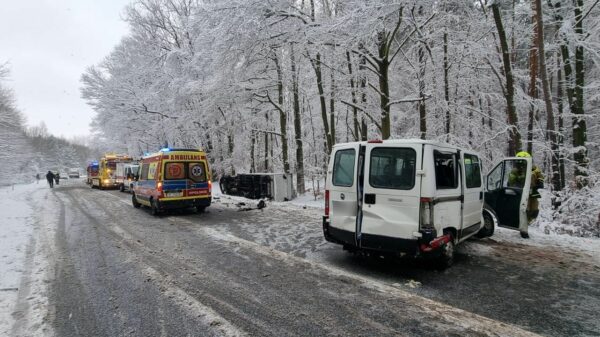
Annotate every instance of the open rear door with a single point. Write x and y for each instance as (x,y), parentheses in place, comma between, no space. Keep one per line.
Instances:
(343,186)
(507,192)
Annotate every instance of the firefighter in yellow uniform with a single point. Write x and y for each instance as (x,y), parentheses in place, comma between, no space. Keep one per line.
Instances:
(516,178)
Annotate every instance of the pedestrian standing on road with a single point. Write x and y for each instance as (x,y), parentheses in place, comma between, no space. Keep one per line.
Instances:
(37,177)
(57,178)
(50,178)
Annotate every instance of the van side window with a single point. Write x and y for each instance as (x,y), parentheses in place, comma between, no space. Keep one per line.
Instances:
(472,171)
(144,175)
(392,168)
(446,170)
(343,168)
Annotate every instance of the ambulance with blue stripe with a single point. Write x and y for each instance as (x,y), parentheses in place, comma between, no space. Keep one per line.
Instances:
(173,179)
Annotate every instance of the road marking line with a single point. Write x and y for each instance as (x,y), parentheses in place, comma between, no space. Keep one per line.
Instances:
(451,314)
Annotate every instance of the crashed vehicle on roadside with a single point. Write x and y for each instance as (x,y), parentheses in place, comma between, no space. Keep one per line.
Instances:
(416,197)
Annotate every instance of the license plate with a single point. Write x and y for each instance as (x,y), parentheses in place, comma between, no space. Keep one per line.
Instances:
(174,194)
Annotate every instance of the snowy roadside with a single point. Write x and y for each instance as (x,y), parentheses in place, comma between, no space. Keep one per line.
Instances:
(23,262)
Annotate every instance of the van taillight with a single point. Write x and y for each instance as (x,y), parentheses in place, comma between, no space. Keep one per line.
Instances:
(209,186)
(159,186)
(426,213)
(326,202)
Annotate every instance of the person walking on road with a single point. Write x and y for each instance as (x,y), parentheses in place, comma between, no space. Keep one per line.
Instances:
(37,177)
(57,178)
(50,178)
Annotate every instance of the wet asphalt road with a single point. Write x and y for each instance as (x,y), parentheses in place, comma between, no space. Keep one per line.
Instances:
(121,272)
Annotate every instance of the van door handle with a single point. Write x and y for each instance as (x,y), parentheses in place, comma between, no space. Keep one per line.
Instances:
(480,195)
(369,198)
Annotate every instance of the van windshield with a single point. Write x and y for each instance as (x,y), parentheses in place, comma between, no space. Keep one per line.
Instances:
(392,168)
(195,171)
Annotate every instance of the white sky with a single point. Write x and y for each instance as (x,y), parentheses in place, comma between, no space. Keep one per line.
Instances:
(48,45)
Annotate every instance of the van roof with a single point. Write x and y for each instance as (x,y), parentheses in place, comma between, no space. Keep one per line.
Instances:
(410,141)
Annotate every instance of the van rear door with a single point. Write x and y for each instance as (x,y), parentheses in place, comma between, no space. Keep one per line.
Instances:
(392,191)
(507,192)
(342,184)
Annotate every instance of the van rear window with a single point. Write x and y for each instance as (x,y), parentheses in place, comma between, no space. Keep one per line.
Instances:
(392,168)
(343,168)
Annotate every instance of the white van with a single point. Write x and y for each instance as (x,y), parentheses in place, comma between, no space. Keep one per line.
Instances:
(415,197)
(125,175)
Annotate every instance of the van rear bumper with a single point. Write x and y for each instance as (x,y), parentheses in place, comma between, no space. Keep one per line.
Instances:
(183,203)
(379,243)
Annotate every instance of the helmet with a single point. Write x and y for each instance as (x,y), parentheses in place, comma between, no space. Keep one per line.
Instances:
(524,154)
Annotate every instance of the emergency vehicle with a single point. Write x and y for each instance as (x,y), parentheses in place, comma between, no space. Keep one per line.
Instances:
(417,197)
(171,179)
(126,174)
(107,166)
(92,172)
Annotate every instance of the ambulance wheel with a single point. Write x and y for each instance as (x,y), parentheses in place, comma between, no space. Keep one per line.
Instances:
(134,201)
(153,208)
(446,258)
(200,209)
(488,225)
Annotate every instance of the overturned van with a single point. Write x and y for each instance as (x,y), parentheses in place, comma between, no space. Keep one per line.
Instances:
(412,196)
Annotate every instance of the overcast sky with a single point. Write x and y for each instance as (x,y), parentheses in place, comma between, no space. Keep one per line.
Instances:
(49,44)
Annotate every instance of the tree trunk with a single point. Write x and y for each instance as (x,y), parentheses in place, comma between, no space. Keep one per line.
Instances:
(354,100)
(561,129)
(332,109)
(579,124)
(514,142)
(316,63)
(550,127)
(533,75)
(297,127)
(446,87)
(282,117)
(384,88)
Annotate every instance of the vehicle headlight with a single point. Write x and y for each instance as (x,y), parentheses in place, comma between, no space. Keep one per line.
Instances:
(106,181)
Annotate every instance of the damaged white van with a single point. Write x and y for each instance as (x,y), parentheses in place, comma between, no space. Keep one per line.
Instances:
(413,197)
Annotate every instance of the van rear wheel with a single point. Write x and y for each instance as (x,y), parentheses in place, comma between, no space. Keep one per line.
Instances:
(488,225)
(122,187)
(446,258)
(154,208)
(134,201)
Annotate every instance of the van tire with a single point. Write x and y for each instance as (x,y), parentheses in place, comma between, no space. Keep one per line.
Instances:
(154,208)
(134,201)
(200,209)
(488,225)
(122,187)
(446,258)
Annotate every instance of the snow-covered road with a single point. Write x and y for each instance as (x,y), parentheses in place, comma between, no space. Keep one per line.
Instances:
(90,264)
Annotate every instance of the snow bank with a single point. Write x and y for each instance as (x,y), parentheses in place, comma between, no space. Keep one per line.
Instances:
(23,266)
(16,228)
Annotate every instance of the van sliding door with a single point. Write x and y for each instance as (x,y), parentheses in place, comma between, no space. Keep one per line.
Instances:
(391,194)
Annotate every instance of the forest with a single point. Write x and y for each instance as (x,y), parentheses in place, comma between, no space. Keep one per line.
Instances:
(272,85)
(26,151)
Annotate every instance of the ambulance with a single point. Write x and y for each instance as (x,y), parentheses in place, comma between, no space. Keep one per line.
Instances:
(173,179)
(106,177)
(417,197)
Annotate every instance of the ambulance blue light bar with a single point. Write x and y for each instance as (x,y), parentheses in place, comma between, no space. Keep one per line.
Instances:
(165,149)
